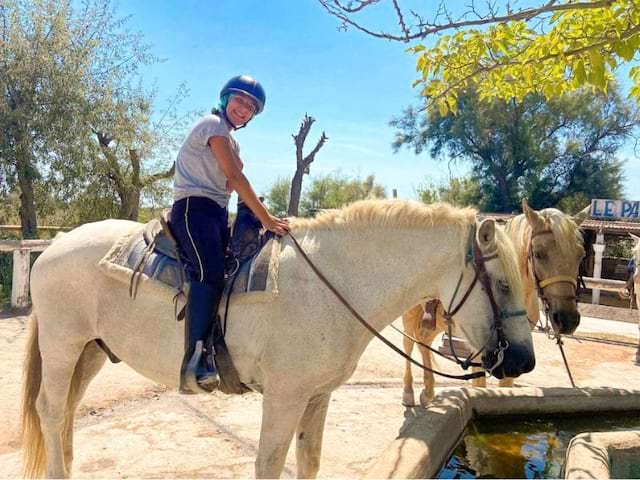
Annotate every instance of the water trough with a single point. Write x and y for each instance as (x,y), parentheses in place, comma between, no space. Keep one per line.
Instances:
(429,436)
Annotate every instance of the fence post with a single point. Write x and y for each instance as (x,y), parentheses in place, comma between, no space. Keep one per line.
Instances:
(21,267)
(598,248)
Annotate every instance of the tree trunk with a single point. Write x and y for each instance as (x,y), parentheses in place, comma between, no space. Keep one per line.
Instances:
(296,191)
(26,176)
(129,205)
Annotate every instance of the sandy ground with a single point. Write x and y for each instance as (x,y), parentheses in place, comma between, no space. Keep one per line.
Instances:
(129,427)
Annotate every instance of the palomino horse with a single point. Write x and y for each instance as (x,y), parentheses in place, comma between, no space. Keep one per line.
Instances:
(382,256)
(549,248)
(636,283)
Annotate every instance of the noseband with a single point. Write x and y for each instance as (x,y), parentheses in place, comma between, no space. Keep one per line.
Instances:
(474,255)
(542,284)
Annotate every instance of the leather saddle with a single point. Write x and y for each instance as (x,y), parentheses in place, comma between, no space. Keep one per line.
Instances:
(162,255)
(246,262)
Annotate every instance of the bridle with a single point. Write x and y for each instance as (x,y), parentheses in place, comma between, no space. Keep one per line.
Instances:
(474,255)
(542,284)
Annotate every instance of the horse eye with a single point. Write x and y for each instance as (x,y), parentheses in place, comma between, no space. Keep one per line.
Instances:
(504,286)
(538,255)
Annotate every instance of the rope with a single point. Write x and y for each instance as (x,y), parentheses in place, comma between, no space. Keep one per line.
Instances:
(564,359)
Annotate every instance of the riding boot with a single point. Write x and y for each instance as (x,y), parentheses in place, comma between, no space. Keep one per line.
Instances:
(198,373)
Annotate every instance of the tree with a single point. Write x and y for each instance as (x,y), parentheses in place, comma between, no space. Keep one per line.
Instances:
(551,48)
(277,198)
(129,139)
(459,191)
(326,191)
(303,163)
(546,151)
(66,65)
(336,190)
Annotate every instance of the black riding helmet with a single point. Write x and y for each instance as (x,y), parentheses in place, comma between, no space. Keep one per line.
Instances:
(247,85)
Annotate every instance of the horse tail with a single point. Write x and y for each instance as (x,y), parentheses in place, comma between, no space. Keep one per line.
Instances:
(32,440)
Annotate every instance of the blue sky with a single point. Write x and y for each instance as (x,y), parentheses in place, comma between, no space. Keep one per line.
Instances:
(351,83)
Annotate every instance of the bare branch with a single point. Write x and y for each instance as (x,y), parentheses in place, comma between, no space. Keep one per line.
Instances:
(424,29)
(300,138)
(309,158)
(151,179)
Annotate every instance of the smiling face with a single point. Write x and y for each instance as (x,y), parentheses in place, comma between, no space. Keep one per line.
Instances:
(240,109)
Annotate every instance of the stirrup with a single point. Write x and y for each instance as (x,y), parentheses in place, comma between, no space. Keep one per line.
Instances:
(191,377)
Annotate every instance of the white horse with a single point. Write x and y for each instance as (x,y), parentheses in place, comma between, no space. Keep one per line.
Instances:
(549,248)
(382,256)
(636,283)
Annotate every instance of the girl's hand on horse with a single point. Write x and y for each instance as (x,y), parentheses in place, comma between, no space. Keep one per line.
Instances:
(279,226)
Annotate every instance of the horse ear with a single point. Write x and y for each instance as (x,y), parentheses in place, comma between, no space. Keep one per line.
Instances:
(536,222)
(582,215)
(487,233)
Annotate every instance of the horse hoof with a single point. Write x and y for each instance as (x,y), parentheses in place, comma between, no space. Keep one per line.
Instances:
(425,398)
(408,400)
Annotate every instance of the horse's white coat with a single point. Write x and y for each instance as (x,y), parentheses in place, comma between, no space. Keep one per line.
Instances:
(296,350)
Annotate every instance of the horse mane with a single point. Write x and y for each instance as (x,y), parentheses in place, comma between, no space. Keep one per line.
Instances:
(565,231)
(411,214)
(387,213)
(508,257)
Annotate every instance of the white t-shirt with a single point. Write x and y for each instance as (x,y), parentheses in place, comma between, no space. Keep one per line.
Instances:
(198,171)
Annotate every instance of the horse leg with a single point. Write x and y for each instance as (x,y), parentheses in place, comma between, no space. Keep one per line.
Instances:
(480,382)
(410,321)
(58,365)
(281,414)
(309,436)
(506,382)
(90,363)
(428,392)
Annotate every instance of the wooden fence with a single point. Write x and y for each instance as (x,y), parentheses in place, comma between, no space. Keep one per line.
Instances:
(22,259)
(21,267)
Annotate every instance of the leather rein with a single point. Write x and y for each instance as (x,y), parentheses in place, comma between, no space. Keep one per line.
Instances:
(473,255)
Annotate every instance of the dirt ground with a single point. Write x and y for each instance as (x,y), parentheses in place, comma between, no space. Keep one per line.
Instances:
(130,427)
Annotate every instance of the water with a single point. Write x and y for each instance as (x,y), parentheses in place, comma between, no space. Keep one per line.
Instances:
(525,447)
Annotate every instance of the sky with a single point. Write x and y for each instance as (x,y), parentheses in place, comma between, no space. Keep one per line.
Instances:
(352,84)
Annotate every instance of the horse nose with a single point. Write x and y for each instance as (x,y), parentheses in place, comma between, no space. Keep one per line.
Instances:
(565,322)
(518,359)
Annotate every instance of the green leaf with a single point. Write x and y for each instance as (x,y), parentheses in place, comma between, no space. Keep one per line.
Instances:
(597,75)
(578,71)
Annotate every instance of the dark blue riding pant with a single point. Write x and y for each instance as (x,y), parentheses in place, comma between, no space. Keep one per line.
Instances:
(200,226)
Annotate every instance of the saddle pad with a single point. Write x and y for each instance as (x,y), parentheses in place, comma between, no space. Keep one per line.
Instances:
(257,278)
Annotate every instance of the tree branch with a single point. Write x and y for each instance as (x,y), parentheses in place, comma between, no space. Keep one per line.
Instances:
(151,179)
(569,53)
(424,29)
